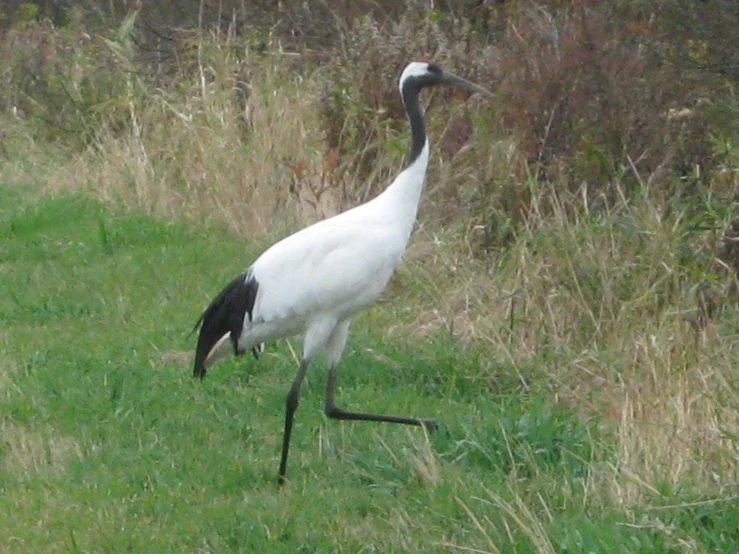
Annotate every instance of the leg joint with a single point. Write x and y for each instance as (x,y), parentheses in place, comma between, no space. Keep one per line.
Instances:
(292,400)
(332,412)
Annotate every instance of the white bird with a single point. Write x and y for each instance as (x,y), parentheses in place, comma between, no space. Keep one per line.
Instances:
(312,282)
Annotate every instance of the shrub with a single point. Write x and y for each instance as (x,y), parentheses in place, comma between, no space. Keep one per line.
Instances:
(587,95)
(68,81)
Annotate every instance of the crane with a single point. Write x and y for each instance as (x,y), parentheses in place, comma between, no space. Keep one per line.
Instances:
(311,283)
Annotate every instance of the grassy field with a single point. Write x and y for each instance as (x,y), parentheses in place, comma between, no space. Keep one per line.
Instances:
(567,309)
(108,445)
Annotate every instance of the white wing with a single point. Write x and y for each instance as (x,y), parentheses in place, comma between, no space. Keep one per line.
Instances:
(337,266)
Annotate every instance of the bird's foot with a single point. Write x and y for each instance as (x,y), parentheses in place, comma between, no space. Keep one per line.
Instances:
(430,425)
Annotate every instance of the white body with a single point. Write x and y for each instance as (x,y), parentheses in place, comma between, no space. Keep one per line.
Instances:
(312,282)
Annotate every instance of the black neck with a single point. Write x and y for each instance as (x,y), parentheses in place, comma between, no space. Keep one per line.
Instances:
(415,118)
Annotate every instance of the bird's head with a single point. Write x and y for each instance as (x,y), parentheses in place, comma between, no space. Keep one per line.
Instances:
(427,74)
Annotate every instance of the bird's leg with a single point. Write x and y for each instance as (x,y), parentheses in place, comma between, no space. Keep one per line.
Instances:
(290,406)
(337,413)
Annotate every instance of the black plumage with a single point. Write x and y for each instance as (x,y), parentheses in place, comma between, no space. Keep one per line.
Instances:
(226,315)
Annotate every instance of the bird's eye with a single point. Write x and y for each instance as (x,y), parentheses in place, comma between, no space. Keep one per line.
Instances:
(433,68)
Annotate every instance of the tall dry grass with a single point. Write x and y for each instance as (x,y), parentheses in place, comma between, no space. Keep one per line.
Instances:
(197,152)
(600,310)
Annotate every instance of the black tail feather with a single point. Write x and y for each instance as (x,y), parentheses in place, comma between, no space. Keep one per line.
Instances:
(225,315)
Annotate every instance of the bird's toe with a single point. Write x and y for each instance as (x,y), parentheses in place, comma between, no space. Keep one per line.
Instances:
(430,425)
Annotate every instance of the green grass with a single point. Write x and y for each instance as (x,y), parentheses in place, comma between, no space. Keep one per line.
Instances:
(108,445)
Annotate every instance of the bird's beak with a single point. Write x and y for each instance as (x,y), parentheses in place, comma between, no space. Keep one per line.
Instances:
(452,80)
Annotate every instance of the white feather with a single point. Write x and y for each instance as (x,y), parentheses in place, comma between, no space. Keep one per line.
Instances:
(323,274)
(413,69)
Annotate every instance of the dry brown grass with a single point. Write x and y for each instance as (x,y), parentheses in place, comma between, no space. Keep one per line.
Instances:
(594,310)
(30,452)
(199,154)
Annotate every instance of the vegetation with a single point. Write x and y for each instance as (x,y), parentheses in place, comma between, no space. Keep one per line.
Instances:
(568,307)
